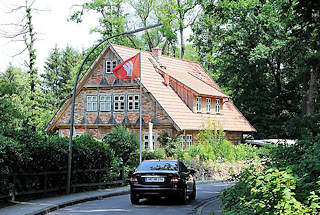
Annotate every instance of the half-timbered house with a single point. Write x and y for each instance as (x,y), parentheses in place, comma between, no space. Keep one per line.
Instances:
(178,98)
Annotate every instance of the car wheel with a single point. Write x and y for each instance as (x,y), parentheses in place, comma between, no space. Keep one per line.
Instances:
(194,193)
(183,196)
(134,199)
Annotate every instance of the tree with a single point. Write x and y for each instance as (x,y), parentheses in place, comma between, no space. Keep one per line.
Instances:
(144,10)
(253,50)
(176,16)
(57,80)
(112,19)
(11,91)
(25,31)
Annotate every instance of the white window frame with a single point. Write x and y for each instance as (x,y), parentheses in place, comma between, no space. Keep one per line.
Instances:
(92,103)
(217,105)
(198,104)
(133,102)
(119,102)
(105,102)
(109,65)
(189,140)
(183,142)
(208,105)
(146,141)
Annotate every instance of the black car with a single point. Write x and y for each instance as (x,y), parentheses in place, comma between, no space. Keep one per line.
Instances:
(162,178)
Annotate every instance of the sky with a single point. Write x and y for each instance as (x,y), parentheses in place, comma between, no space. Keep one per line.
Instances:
(52,28)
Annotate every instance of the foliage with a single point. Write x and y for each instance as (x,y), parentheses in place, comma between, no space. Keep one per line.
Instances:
(123,143)
(159,154)
(26,151)
(170,145)
(289,184)
(260,52)
(267,192)
(112,19)
(10,114)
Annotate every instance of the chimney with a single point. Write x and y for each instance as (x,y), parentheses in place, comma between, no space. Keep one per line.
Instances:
(156,53)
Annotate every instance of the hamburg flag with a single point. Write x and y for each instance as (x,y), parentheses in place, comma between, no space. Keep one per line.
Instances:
(129,69)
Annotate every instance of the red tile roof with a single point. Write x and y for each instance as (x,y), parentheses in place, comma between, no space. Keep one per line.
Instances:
(192,75)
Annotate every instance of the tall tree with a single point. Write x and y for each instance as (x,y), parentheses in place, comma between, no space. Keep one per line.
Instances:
(256,54)
(144,10)
(24,30)
(177,15)
(113,20)
(57,79)
(13,90)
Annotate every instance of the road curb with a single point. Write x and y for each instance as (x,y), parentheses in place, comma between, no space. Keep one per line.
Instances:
(76,201)
(205,204)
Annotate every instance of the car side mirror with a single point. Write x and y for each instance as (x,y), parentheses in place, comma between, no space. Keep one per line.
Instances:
(192,171)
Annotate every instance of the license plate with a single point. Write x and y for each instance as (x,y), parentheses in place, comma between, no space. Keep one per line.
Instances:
(155,179)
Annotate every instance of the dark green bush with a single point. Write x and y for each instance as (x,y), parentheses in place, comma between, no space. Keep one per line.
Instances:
(123,143)
(289,184)
(24,151)
(159,153)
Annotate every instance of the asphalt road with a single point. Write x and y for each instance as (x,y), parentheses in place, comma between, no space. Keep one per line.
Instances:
(117,205)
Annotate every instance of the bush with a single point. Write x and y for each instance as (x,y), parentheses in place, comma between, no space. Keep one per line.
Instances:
(268,192)
(171,145)
(289,184)
(125,146)
(27,151)
(159,154)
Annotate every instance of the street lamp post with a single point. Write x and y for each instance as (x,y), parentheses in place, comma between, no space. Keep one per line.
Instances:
(75,89)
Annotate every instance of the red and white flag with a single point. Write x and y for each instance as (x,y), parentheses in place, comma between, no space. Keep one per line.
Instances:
(129,69)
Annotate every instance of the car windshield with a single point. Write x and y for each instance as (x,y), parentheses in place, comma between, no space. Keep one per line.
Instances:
(158,165)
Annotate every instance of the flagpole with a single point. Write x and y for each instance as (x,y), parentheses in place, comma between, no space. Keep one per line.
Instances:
(140,112)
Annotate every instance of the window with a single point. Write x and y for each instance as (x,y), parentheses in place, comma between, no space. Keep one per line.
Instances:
(183,141)
(133,102)
(189,140)
(105,103)
(109,66)
(217,106)
(208,105)
(146,141)
(118,102)
(198,104)
(92,103)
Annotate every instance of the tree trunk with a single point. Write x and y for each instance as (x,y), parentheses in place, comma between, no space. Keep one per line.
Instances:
(181,28)
(311,93)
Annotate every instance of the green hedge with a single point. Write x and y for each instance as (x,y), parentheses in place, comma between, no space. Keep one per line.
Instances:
(289,183)
(26,151)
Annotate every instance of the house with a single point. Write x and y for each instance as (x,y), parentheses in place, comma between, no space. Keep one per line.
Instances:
(178,97)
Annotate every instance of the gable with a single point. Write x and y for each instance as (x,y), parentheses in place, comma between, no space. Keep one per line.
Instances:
(95,83)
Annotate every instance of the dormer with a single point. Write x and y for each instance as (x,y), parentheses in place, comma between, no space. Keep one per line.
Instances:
(207,105)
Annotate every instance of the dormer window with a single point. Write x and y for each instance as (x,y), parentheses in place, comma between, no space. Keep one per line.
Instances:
(109,65)
(198,104)
(217,105)
(208,105)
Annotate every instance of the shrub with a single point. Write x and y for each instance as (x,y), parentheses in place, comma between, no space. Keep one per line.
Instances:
(159,153)
(268,192)
(123,143)
(289,184)
(170,145)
